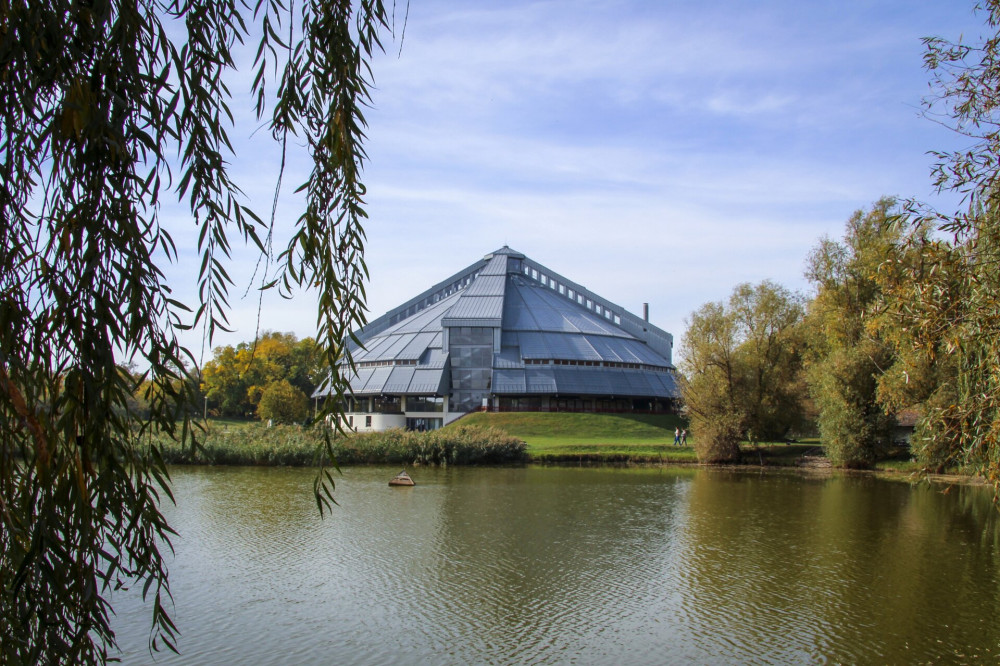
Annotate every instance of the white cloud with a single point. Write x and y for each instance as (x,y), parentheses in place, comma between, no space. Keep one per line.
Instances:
(656,152)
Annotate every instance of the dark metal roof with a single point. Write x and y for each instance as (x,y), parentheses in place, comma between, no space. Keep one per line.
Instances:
(542,317)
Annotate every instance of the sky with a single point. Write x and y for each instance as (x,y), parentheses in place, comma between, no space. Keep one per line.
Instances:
(654,152)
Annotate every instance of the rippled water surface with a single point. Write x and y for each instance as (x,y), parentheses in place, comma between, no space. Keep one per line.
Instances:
(575,565)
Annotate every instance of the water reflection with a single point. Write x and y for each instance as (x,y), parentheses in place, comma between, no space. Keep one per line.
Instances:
(591,565)
(846,569)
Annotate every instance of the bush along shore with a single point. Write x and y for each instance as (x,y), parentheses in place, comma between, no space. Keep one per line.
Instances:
(258,444)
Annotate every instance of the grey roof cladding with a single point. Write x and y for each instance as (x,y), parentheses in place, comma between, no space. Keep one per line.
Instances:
(484,306)
(474,307)
(509,381)
(542,318)
(399,379)
(487,285)
(428,382)
(419,343)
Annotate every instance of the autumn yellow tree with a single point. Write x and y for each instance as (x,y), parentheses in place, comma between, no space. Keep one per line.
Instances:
(235,378)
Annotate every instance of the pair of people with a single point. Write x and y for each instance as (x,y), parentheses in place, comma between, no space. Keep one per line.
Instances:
(680,437)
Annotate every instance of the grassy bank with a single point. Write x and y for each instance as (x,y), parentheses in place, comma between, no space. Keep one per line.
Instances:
(491,438)
(557,437)
(257,444)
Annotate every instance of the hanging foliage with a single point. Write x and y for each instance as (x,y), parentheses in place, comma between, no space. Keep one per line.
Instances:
(108,109)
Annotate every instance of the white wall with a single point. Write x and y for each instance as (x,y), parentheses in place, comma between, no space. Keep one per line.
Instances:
(379,422)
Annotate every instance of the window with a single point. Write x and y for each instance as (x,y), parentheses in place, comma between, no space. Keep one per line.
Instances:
(571,295)
(534,274)
(424,403)
(562,290)
(368,422)
(421,425)
(590,304)
(618,320)
(387,404)
(474,335)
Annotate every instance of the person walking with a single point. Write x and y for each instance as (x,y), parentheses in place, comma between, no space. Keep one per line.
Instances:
(684,437)
(677,436)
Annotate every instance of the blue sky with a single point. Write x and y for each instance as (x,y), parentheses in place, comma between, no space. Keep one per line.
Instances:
(658,152)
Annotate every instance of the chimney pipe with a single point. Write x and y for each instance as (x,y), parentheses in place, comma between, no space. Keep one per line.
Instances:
(645,311)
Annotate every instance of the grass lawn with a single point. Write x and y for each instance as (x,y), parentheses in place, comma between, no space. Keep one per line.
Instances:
(559,435)
(227,424)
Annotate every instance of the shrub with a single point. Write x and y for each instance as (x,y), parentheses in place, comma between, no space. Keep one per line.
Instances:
(718,437)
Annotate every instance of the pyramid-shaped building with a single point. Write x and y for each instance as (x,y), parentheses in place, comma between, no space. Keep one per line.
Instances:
(506,334)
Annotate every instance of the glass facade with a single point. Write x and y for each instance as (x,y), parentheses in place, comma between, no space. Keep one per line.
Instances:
(424,403)
(420,424)
(584,404)
(357,405)
(471,351)
(387,404)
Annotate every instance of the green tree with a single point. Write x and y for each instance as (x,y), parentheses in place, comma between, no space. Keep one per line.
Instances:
(941,322)
(742,361)
(948,302)
(847,359)
(283,403)
(924,376)
(98,99)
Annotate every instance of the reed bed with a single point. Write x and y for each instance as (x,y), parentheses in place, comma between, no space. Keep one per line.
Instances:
(289,445)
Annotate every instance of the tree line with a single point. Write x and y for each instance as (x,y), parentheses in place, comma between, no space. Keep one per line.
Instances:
(904,317)
(269,378)
(906,312)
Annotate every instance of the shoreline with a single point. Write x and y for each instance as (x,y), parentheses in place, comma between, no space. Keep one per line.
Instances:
(293,446)
(913,477)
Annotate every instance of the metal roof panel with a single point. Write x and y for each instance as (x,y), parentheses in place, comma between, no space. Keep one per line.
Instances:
(396,344)
(436,358)
(376,383)
(427,319)
(509,381)
(487,285)
(508,358)
(370,350)
(399,379)
(534,345)
(358,381)
(497,266)
(605,347)
(428,381)
(475,307)
(539,380)
(416,347)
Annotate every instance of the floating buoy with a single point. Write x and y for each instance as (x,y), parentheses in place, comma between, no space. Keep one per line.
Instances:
(401,479)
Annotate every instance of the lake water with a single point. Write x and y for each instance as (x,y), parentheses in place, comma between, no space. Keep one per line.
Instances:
(584,565)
